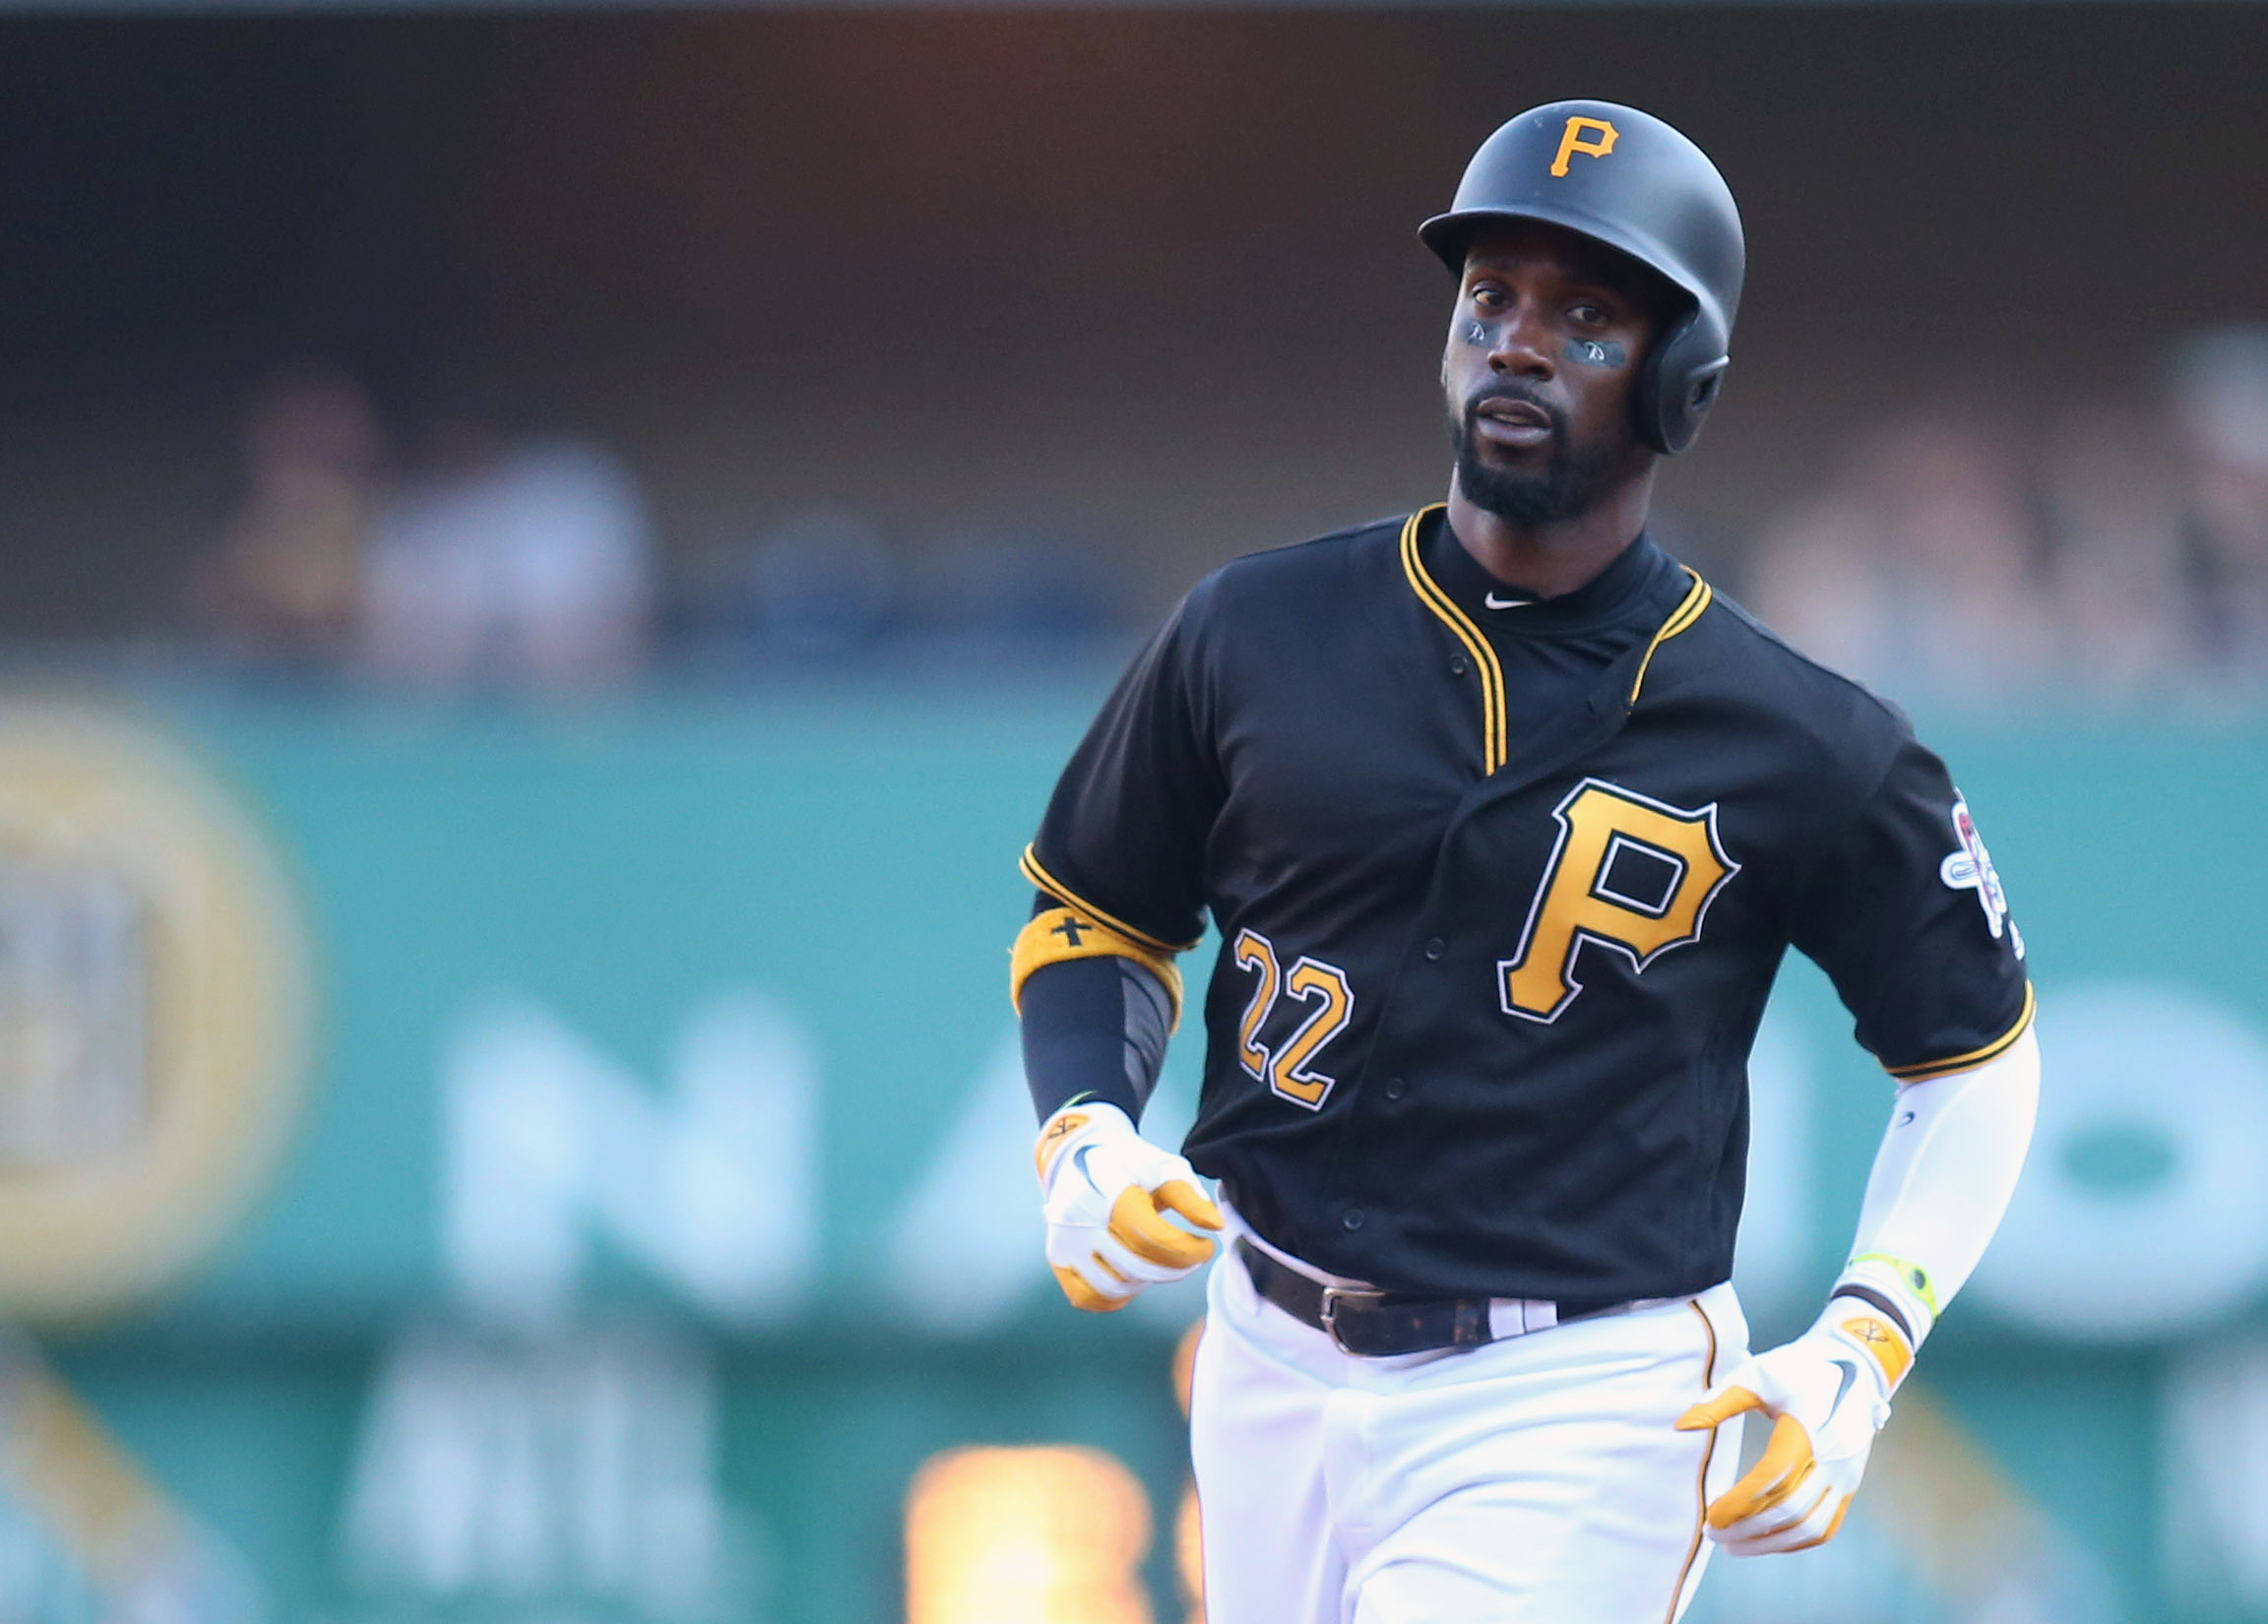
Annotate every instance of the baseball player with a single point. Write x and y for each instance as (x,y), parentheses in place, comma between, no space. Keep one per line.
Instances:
(1506,819)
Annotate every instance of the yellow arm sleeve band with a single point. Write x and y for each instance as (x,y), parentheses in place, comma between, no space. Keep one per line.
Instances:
(1060,934)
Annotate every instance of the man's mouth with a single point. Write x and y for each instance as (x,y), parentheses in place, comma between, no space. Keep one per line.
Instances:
(1511,423)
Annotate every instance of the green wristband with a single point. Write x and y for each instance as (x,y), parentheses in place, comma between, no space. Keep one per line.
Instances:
(1912,1275)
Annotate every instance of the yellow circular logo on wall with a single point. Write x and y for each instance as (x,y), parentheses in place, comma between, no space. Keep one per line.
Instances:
(153,1009)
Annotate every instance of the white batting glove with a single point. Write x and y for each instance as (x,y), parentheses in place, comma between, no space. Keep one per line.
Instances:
(1829,1391)
(1105,1190)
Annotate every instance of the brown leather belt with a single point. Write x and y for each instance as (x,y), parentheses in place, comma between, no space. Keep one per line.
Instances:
(1378,1324)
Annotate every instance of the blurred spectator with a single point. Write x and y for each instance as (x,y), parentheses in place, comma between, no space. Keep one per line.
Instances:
(812,587)
(1917,569)
(286,583)
(827,583)
(1003,585)
(2221,413)
(509,559)
(821,584)
(2121,591)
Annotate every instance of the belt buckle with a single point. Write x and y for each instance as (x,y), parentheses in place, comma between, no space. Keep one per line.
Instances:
(1333,1296)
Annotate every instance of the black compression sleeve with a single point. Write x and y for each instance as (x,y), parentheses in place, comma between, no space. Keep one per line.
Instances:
(1094,1028)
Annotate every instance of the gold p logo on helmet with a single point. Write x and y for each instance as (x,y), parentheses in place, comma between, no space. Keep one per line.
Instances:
(1571,142)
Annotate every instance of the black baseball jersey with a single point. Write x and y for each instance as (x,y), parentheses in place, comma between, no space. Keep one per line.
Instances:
(1498,928)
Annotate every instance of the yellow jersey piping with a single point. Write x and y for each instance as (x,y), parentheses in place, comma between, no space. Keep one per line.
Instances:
(1689,609)
(1922,1071)
(1494,744)
(1032,870)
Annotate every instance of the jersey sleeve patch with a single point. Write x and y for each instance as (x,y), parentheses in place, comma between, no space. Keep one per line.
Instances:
(1969,868)
(1905,911)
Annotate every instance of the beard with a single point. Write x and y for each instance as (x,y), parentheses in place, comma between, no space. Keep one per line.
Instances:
(1573,481)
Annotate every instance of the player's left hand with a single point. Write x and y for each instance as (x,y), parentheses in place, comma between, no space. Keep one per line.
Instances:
(1828,1392)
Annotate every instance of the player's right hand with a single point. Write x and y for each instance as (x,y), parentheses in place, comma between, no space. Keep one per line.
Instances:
(1106,1189)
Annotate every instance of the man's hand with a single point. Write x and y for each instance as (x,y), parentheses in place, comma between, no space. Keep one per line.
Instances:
(1829,1393)
(1106,1191)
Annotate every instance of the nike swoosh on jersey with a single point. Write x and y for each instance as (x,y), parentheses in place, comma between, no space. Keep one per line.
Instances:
(1495,602)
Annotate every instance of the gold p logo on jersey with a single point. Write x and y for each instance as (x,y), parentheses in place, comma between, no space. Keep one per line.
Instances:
(1630,874)
(1571,142)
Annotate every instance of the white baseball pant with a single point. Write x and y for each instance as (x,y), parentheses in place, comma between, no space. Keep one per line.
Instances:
(1534,1481)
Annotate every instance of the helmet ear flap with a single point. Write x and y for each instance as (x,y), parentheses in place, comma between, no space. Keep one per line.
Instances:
(1680,382)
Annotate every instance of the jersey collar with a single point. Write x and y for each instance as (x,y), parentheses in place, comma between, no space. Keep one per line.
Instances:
(1638,577)
(1626,594)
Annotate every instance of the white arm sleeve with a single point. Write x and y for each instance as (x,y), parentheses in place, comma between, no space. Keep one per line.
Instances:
(1941,1179)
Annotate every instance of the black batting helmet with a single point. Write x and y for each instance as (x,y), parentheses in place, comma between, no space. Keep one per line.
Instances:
(1628,180)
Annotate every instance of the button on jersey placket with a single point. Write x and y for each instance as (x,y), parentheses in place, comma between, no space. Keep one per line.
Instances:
(1428,952)
(1504,774)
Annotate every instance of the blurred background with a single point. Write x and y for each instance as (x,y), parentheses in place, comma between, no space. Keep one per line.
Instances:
(551,557)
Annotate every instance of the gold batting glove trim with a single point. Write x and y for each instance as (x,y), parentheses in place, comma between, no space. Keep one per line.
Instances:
(1784,1468)
(1085,1297)
(1061,934)
(1137,1223)
(1778,1496)
(1054,1134)
(1833,1528)
(1878,1339)
(1827,1405)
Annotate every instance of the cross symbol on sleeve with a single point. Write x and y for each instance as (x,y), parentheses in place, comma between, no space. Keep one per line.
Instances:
(1070,929)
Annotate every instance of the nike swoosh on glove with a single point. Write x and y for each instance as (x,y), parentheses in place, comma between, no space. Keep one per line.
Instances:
(1829,1394)
(1106,1189)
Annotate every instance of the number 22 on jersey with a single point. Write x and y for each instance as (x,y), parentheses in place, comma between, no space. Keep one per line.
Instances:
(1290,1068)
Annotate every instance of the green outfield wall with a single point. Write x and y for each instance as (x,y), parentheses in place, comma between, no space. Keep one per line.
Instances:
(570,1165)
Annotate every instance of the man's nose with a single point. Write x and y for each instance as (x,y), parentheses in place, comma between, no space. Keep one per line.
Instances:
(1522,345)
